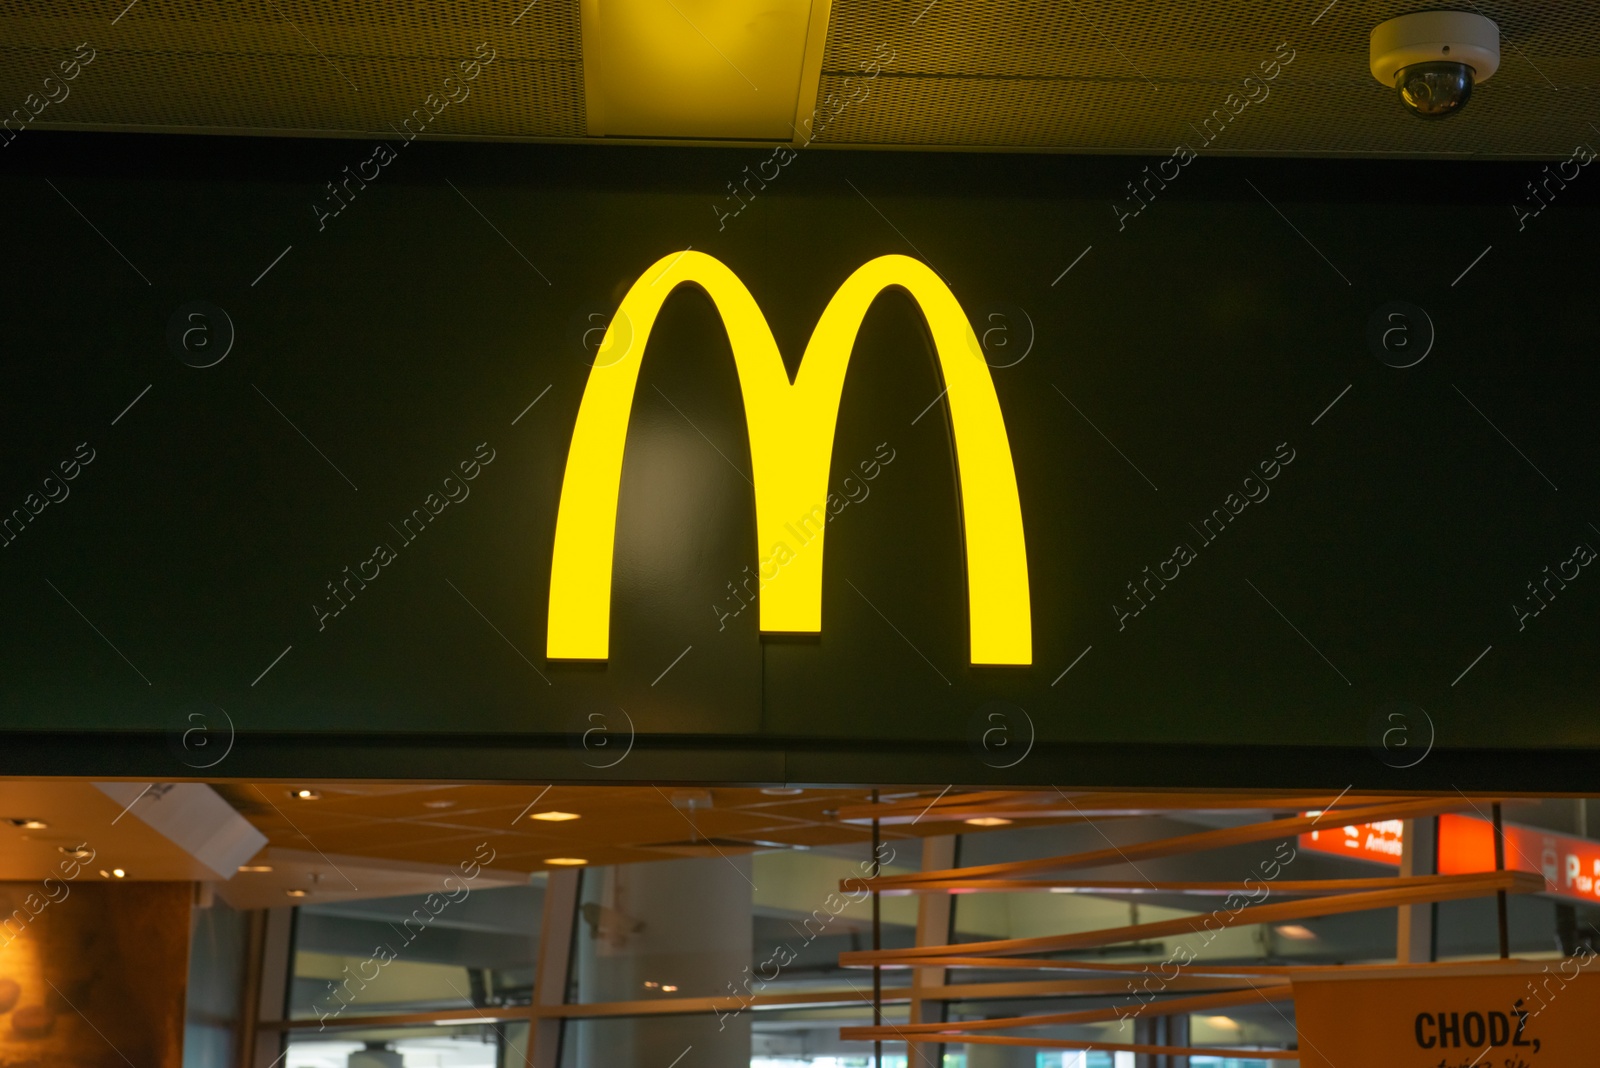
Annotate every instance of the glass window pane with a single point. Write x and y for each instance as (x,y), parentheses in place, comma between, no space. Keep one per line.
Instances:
(809,1038)
(771,1038)
(416,953)
(499,1045)
(802,919)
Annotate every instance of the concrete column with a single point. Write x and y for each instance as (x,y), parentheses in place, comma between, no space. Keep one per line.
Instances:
(1418,856)
(685,923)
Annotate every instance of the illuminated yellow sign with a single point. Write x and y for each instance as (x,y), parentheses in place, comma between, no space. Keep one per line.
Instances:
(791,427)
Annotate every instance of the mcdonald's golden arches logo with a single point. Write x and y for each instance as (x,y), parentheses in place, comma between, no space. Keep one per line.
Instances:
(791,427)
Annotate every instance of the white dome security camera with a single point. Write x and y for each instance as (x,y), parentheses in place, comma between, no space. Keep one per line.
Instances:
(1433,58)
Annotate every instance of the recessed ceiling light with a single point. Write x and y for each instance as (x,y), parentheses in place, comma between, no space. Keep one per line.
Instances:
(438,804)
(987,821)
(566,862)
(255,867)
(295,893)
(781,791)
(306,795)
(80,851)
(669,988)
(119,873)
(1298,932)
(555,817)
(27,823)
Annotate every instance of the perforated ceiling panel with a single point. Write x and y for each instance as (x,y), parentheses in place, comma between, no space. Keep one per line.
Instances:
(1119,76)
(1144,75)
(298,66)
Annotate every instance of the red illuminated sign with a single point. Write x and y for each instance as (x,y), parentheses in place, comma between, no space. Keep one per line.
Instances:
(1570,866)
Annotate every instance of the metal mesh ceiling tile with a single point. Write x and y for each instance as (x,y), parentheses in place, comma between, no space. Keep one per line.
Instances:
(295,65)
(1119,75)
(1138,75)
(1121,117)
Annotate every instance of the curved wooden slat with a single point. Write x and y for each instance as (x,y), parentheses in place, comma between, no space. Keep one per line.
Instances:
(1129,1047)
(1047,805)
(1194,968)
(1201,969)
(1287,887)
(1188,843)
(1167,1007)
(1436,888)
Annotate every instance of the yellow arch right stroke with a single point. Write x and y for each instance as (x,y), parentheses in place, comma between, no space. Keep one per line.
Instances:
(791,427)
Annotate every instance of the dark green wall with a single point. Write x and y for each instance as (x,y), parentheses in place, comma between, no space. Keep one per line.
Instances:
(1213,327)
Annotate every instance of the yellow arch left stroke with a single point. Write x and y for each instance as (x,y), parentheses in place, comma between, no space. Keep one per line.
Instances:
(791,427)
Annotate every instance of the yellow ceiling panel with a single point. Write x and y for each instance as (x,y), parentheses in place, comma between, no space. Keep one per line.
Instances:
(694,68)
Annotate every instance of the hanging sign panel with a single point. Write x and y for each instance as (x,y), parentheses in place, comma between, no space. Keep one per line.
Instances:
(1530,1019)
(1570,866)
(523,468)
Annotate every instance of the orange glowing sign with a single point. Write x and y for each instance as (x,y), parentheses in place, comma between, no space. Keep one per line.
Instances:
(1570,866)
(1379,843)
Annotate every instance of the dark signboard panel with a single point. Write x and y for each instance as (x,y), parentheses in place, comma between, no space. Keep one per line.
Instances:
(1305,452)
